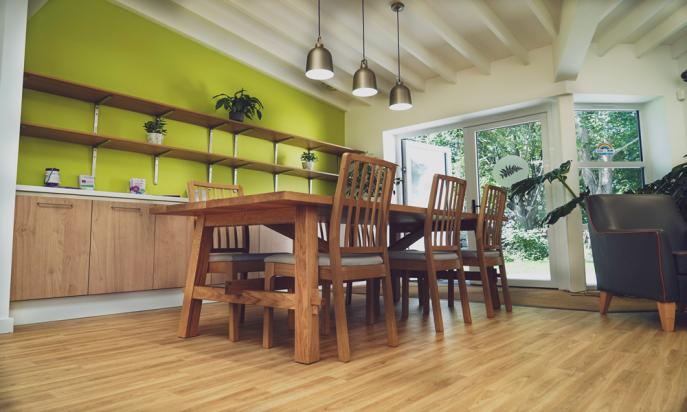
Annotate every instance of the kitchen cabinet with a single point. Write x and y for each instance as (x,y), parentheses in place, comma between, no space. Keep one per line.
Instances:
(172,250)
(122,247)
(51,247)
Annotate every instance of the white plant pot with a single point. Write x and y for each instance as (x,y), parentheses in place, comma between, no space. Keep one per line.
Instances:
(155,138)
(308,165)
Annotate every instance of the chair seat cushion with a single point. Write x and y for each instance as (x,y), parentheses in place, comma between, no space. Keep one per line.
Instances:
(420,255)
(472,253)
(237,257)
(323,259)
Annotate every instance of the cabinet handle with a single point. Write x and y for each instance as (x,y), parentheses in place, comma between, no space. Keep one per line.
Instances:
(56,205)
(132,209)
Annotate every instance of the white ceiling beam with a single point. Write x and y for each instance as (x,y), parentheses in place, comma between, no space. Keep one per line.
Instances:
(385,24)
(679,48)
(542,13)
(579,21)
(187,24)
(451,36)
(267,17)
(628,25)
(668,27)
(496,25)
(34,6)
(261,37)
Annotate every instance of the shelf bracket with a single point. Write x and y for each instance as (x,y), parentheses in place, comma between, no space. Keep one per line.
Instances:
(210,130)
(94,155)
(165,114)
(275,175)
(156,165)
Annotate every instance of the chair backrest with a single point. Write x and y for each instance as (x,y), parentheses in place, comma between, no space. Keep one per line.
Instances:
(361,204)
(225,239)
(490,218)
(444,213)
(628,212)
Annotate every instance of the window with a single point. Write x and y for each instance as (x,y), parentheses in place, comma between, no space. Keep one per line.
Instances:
(609,147)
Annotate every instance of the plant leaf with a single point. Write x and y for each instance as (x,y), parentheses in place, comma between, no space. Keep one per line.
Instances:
(564,210)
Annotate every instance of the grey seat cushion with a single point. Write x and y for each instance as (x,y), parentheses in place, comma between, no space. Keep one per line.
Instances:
(420,255)
(237,257)
(472,253)
(323,259)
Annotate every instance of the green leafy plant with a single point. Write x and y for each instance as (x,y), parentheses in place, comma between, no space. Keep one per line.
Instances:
(240,103)
(308,157)
(155,126)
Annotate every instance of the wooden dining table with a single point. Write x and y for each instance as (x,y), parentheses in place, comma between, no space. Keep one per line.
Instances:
(295,215)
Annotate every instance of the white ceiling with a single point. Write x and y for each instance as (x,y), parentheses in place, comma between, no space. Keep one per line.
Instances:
(438,37)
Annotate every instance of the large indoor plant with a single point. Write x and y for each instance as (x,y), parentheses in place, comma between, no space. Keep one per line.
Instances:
(240,106)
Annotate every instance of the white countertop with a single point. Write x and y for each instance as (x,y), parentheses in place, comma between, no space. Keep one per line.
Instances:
(97,193)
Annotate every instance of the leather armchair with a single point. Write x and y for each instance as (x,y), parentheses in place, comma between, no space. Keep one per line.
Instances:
(640,249)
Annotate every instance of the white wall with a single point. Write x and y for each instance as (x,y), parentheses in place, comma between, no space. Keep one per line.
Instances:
(12,42)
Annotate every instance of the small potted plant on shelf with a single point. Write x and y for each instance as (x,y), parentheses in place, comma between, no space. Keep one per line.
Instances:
(155,130)
(308,159)
(240,106)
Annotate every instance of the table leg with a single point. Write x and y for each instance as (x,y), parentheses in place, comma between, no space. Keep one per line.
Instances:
(307,338)
(195,276)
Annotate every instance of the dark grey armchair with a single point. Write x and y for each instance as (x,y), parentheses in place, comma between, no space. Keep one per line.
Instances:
(640,249)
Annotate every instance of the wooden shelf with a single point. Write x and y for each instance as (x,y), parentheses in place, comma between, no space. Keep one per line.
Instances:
(118,143)
(90,94)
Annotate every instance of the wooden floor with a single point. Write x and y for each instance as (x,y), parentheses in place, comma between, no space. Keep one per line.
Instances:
(531,360)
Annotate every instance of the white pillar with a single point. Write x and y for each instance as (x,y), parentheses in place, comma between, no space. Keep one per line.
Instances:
(13,15)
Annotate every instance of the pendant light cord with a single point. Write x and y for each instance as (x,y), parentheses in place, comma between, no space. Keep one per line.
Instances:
(398,45)
(363,4)
(319,34)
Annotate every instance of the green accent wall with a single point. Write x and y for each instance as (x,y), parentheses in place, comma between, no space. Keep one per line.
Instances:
(100,44)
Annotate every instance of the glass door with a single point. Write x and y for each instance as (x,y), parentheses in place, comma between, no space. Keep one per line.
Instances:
(420,162)
(502,153)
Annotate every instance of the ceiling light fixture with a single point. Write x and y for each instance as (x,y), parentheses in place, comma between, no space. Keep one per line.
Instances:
(399,96)
(364,80)
(319,65)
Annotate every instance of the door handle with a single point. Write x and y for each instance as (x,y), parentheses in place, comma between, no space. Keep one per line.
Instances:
(132,209)
(56,205)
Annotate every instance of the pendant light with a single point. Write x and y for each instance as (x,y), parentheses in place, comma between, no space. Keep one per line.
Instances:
(319,65)
(364,80)
(399,96)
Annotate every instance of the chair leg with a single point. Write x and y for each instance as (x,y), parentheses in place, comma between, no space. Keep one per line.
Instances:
(504,286)
(451,289)
(666,311)
(369,307)
(342,344)
(234,315)
(604,302)
(425,293)
(405,298)
(464,299)
(494,287)
(376,290)
(486,290)
(291,319)
(433,287)
(243,276)
(349,293)
(396,282)
(389,311)
(326,303)
(268,312)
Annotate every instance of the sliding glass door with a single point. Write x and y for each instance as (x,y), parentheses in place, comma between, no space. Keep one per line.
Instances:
(502,153)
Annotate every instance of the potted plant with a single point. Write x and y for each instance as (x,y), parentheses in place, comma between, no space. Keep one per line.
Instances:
(308,159)
(240,105)
(155,130)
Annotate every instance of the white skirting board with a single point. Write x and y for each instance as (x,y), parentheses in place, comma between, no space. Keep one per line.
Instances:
(47,310)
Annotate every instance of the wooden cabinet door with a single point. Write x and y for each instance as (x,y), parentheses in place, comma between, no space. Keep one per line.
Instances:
(122,236)
(51,245)
(172,250)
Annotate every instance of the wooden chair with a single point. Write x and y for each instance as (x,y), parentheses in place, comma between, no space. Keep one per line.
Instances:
(442,248)
(489,253)
(230,257)
(357,246)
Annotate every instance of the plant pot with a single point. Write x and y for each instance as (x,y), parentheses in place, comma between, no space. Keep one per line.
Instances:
(308,165)
(155,138)
(239,117)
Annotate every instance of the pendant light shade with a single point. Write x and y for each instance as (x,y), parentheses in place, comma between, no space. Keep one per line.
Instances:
(364,79)
(399,96)
(319,64)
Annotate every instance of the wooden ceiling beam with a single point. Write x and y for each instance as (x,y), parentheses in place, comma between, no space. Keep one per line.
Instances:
(500,30)
(542,13)
(654,38)
(628,25)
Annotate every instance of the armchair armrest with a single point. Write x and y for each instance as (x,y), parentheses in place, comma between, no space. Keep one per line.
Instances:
(635,262)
